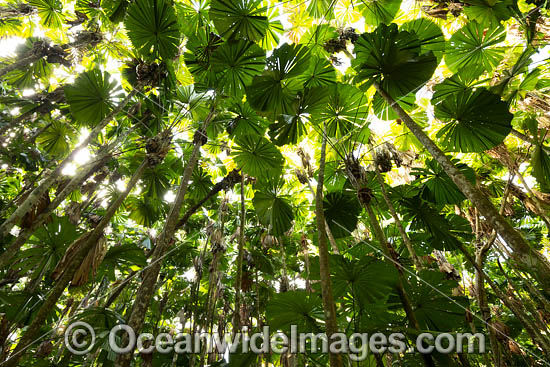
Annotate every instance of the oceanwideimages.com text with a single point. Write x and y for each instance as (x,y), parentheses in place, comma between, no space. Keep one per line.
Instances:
(80,338)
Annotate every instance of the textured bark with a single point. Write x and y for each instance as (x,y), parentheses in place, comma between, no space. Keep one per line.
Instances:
(103,156)
(527,139)
(24,235)
(237,322)
(54,54)
(390,253)
(23,62)
(147,288)
(404,236)
(228,182)
(529,259)
(218,248)
(331,327)
(114,295)
(331,239)
(497,355)
(49,304)
(48,181)
(513,305)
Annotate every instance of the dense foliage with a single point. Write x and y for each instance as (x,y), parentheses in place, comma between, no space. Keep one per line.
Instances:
(344,166)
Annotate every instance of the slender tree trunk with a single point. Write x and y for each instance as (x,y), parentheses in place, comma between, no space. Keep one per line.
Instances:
(330,237)
(513,305)
(218,251)
(306,261)
(527,139)
(398,223)
(331,326)
(48,181)
(101,159)
(535,199)
(116,293)
(528,258)
(237,322)
(23,62)
(166,238)
(228,182)
(24,235)
(49,304)
(390,252)
(285,281)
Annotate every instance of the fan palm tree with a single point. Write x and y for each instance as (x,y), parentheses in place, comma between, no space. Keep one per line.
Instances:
(354,167)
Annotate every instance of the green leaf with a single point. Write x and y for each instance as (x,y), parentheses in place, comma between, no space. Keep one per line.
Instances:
(115,9)
(90,97)
(193,16)
(316,36)
(540,162)
(299,308)
(290,128)
(157,179)
(245,120)
(273,33)
(273,96)
(257,156)
(321,9)
(145,210)
(442,233)
(341,210)
(124,255)
(455,84)
(289,61)
(435,307)
(200,48)
(235,64)
(477,120)
(50,12)
(274,92)
(287,130)
(376,12)
(474,47)
(239,19)
(368,280)
(346,109)
(429,34)
(393,59)
(440,188)
(57,138)
(320,73)
(153,28)
(490,12)
(273,210)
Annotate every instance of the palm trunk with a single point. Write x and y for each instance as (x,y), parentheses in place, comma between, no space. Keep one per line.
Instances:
(24,235)
(237,322)
(54,54)
(306,261)
(24,61)
(166,238)
(513,305)
(390,253)
(527,139)
(101,159)
(218,251)
(331,327)
(330,237)
(34,328)
(529,259)
(43,187)
(398,223)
